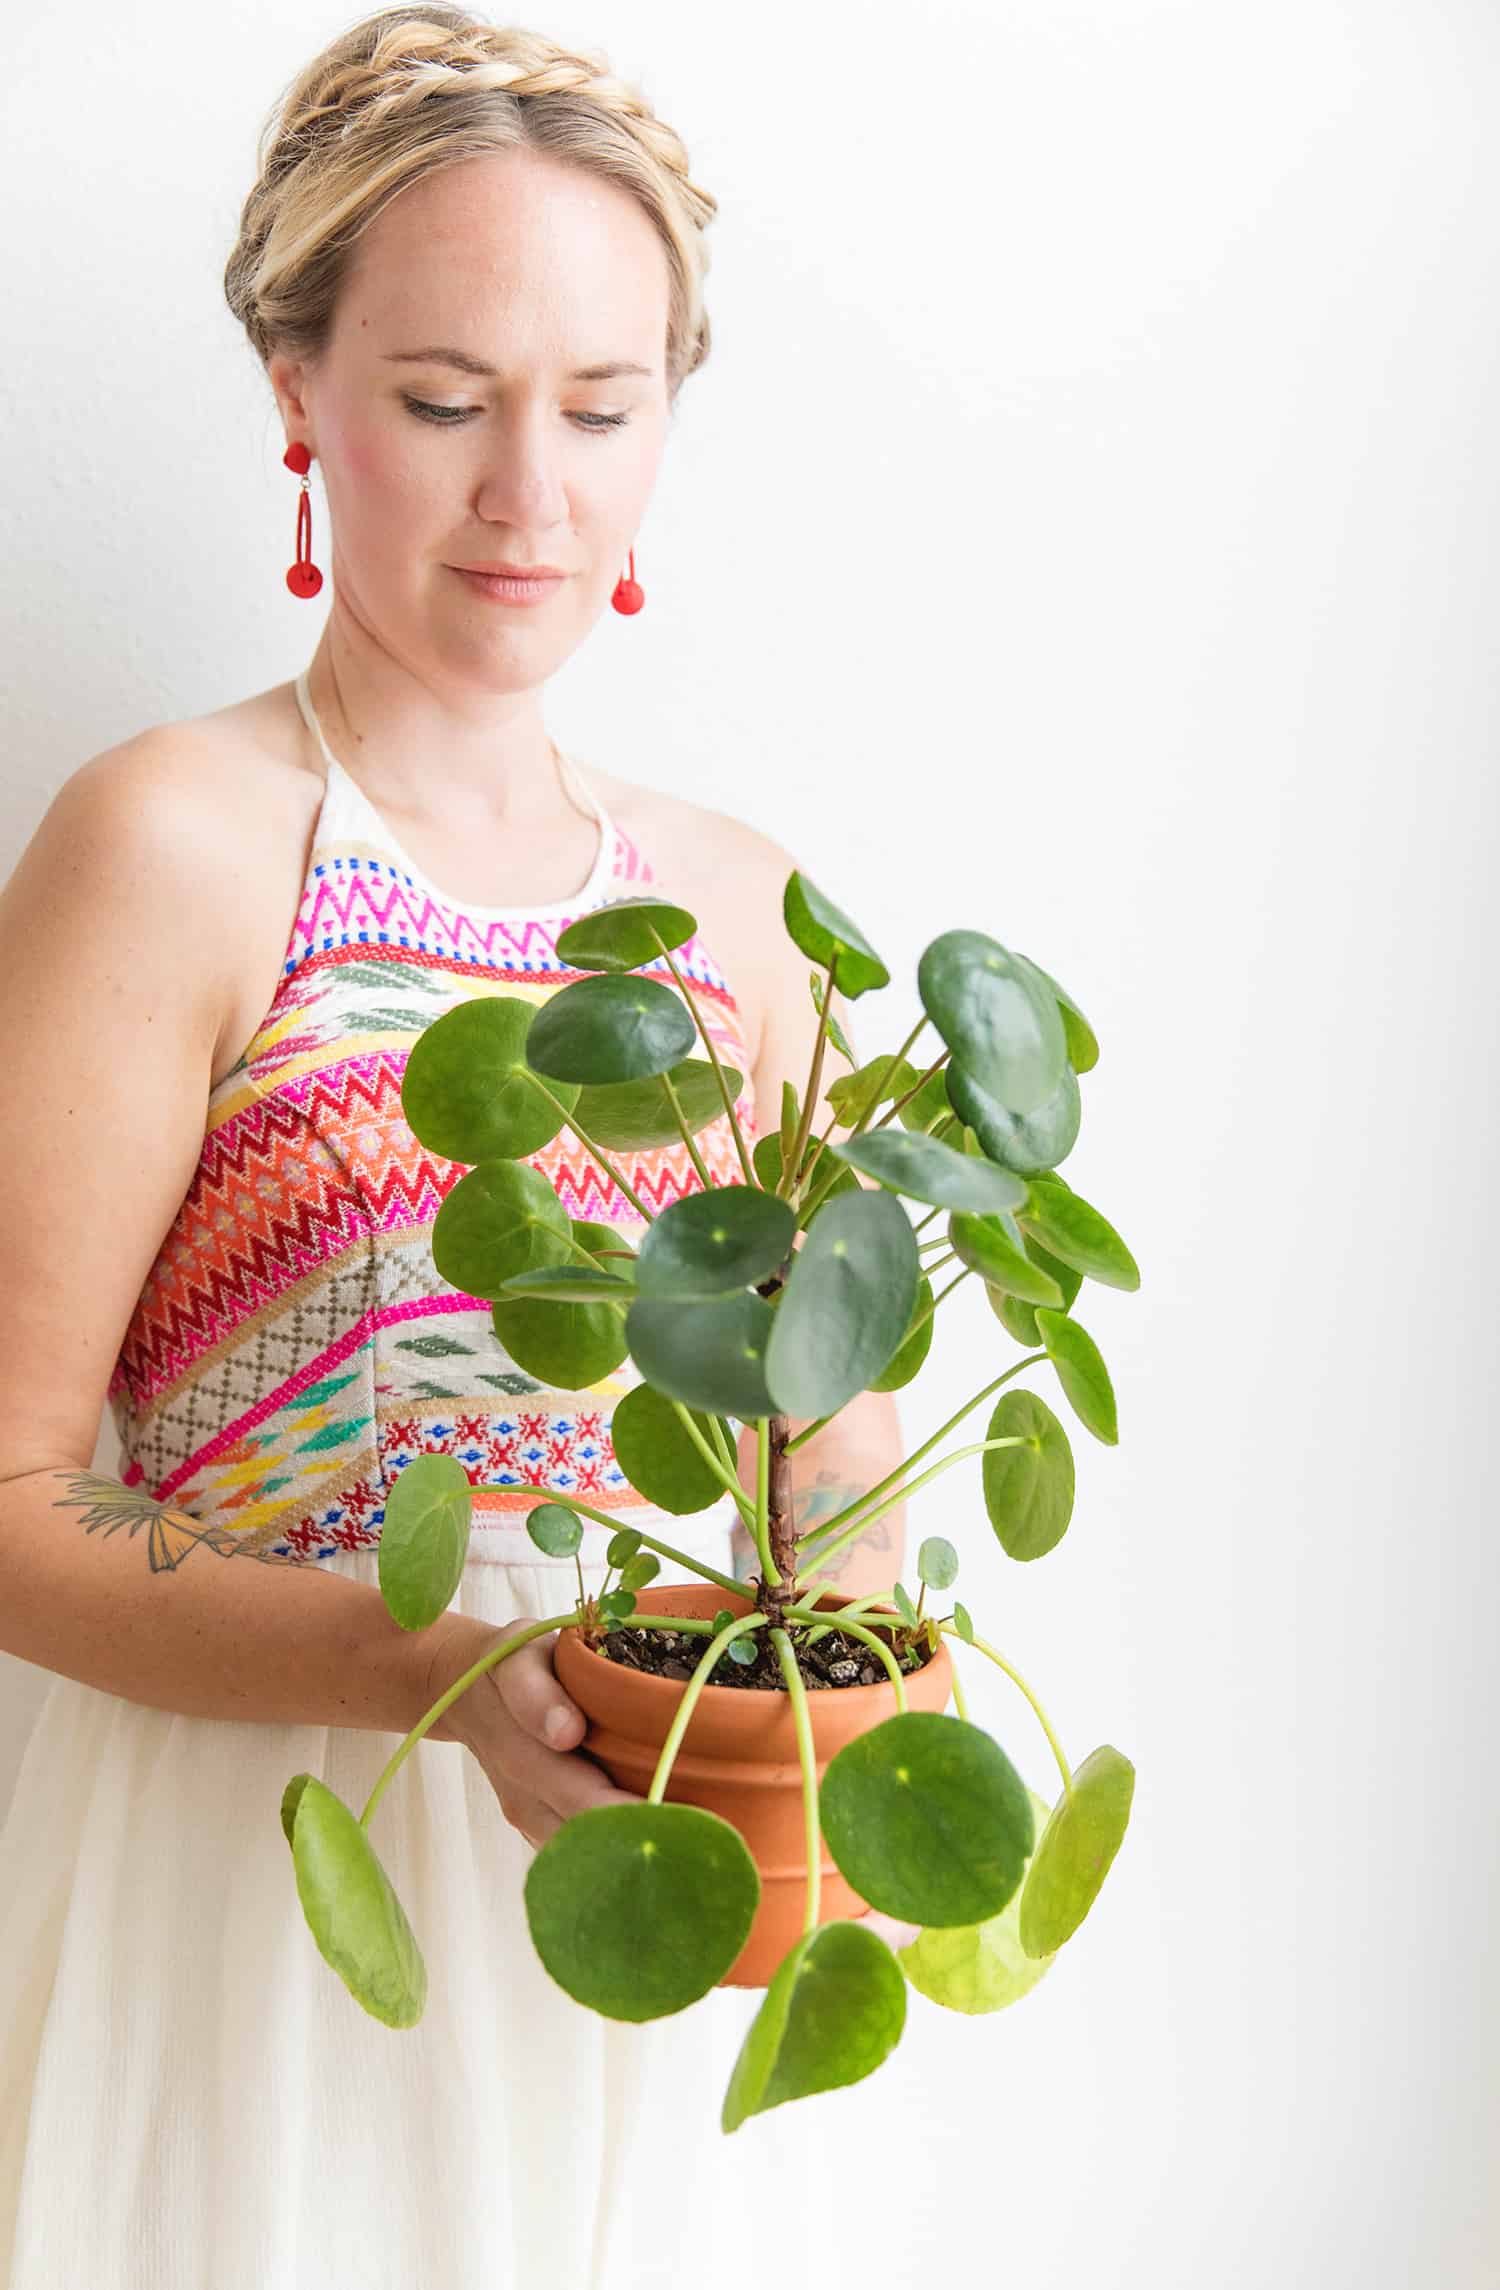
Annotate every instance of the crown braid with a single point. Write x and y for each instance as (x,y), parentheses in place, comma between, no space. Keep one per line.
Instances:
(412,88)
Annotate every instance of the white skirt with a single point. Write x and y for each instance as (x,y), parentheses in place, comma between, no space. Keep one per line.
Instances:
(190,2098)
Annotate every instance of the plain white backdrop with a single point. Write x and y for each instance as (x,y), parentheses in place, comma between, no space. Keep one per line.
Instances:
(1083,531)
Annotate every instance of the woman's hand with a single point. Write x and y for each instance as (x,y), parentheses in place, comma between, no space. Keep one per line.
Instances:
(523,1729)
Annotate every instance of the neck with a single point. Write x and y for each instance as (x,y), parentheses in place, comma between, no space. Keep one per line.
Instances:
(488,757)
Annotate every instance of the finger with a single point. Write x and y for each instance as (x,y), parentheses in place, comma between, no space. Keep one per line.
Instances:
(528,1686)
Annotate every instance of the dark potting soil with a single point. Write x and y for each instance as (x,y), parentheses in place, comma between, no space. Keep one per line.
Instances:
(836,1660)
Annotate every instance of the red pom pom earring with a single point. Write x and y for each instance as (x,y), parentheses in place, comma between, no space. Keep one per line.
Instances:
(303,578)
(629,595)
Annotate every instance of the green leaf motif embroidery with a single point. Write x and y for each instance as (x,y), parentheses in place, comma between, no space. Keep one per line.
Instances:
(435,1347)
(334,1435)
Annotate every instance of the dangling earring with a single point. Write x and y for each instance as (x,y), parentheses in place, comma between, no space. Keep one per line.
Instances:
(303,578)
(629,595)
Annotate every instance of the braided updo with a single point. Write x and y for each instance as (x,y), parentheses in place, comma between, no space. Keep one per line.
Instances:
(413,89)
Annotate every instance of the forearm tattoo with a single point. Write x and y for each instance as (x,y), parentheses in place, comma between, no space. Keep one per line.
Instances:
(830,1493)
(170,1534)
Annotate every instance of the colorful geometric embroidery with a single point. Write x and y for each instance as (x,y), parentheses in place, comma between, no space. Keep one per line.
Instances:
(293,1348)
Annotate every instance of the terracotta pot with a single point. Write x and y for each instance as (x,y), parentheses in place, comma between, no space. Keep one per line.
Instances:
(738,1757)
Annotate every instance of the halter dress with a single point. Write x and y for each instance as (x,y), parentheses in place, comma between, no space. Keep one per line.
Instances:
(190,2099)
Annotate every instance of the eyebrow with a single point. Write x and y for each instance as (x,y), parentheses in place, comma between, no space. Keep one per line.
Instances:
(438,356)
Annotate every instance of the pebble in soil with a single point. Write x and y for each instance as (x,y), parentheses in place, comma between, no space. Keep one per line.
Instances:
(836,1660)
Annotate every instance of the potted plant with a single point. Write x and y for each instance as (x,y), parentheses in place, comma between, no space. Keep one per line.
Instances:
(786,1295)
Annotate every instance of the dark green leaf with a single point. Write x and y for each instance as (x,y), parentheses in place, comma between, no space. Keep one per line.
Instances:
(996,1015)
(822,931)
(468,1092)
(927,1819)
(604,1029)
(638,1910)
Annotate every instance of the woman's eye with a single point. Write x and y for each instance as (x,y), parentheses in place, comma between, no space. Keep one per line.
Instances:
(450,414)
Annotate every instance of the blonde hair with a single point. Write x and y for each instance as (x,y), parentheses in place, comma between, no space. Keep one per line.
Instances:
(412,89)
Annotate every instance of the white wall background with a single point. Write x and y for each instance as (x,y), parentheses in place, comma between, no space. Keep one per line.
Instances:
(1170,333)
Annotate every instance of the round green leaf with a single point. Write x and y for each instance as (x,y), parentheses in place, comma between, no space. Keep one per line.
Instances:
(425,1538)
(927,1819)
(821,930)
(656,1455)
(610,1029)
(468,1092)
(502,1218)
(929,1170)
(1073,1229)
(638,1910)
(711,1242)
(1028,1490)
(835,2008)
(617,1605)
(914,1345)
(937,1563)
(623,935)
(992,1247)
(996,1015)
(846,1305)
(352,1909)
(644,1568)
(1021,1142)
(709,1355)
(1082,1374)
(569,1345)
(978,1967)
(962,1623)
(637,1116)
(555,1529)
(623,1544)
(1074,1852)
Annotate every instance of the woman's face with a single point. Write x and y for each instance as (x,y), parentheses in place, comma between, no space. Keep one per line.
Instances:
(536,270)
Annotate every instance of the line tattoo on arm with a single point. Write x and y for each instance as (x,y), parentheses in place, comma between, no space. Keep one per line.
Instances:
(171,1534)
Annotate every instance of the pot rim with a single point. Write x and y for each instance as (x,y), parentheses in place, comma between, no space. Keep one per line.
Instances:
(645,1679)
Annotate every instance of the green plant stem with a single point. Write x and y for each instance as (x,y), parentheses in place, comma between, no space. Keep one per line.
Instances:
(687,1136)
(745,1161)
(760,1524)
(587,1142)
(689,1701)
(851,1510)
(811,1206)
(858,1630)
(958,1690)
(1014,1674)
(486,1661)
(804,1119)
(666,1550)
(891,1064)
(720,1470)
(828,1550)
(807,1757)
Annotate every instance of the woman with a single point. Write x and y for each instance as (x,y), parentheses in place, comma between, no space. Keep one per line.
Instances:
(472,268)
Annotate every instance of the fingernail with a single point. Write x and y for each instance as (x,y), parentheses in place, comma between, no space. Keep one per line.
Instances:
(558,1723)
